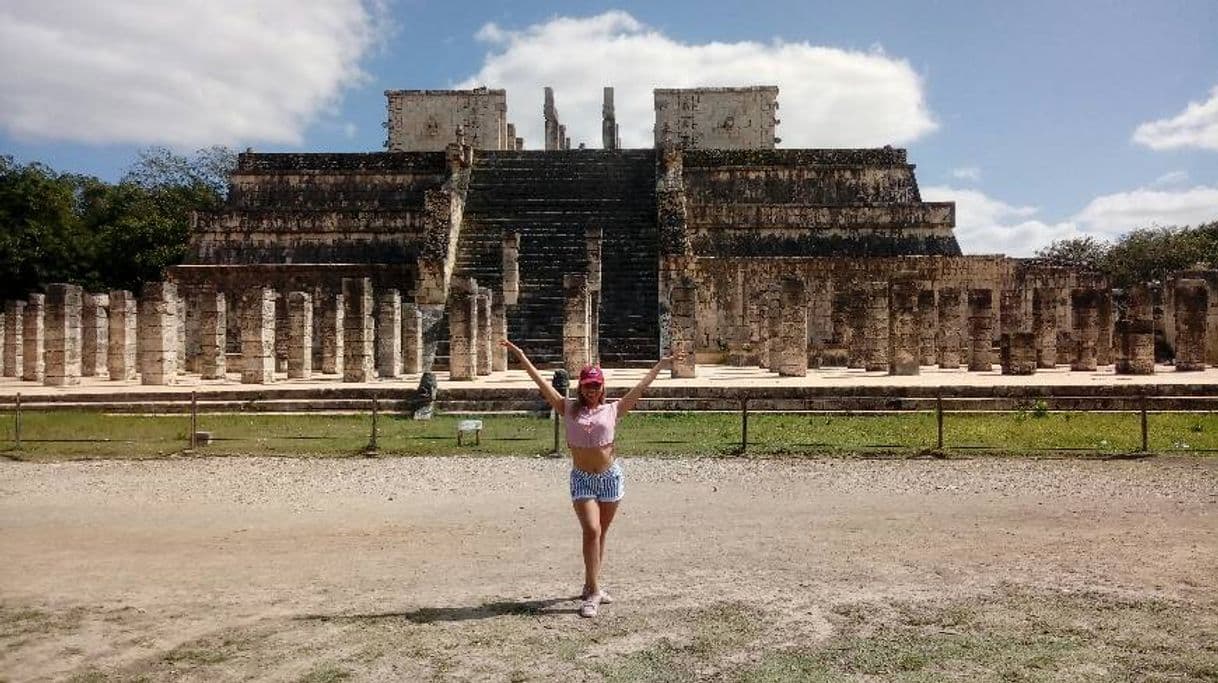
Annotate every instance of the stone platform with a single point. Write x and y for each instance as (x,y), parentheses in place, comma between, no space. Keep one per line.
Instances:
(716,387)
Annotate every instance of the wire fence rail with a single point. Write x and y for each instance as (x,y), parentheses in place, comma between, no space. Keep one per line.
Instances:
(947,423)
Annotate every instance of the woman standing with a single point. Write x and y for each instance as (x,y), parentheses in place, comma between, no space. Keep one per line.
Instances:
(596,477)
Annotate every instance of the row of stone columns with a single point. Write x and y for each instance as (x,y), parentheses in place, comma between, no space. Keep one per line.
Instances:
(477,319)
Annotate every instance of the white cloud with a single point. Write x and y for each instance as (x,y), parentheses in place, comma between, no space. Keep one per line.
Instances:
(829,97)
(967,173)
(1116,214)
(985,225)
(186,73)
(1172,179)
(1196,126)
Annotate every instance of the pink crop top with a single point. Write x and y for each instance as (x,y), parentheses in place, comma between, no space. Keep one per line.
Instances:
(590,428)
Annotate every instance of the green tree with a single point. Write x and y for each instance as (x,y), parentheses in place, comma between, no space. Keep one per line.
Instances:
(1085,252)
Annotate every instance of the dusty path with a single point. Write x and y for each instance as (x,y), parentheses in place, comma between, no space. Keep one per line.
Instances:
(464,568)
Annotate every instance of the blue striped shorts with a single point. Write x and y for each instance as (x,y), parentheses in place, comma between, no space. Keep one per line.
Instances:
(606,487)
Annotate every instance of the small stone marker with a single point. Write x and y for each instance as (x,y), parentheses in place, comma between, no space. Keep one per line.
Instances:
(467,426)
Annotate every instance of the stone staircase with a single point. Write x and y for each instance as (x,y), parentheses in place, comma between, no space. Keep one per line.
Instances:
(550,198)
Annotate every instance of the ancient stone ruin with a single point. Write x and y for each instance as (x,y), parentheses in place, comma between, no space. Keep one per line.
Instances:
(715,242)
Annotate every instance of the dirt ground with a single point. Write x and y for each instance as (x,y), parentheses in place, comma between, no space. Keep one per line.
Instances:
(467,569)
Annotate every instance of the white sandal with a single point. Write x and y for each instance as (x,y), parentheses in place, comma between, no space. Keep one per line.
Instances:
(589,607)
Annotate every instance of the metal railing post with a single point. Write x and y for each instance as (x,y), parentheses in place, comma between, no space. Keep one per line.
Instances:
(744,424)
(194,421)
(1145,426)
(939,419)
(372,446)
(17,422)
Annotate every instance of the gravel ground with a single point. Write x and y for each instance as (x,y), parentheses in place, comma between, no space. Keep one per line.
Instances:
(287,566)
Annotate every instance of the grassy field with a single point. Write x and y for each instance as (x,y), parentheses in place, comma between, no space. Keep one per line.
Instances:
(74,435)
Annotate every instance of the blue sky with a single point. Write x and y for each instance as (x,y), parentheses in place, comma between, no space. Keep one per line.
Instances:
(1041,119)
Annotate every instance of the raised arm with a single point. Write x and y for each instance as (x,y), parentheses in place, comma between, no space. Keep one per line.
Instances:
(632,397)
(548,392)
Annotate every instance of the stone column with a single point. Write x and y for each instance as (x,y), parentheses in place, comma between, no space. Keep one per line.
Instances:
(499,354)
(179,355)
(194,331)
(300,335)
(281,332)
(213,333)
(773,329)
(927,324)
(981,329)
(1104,328)
(485,331)
(332,335)
(358,330)
(14,346)
(1191,299)
(1084,303)
(1010,312)
(575,323)
(875,328)
(951,321)
(63,311)
(1044,326)
(793,336)
(94,332)
(158,333)
(511,268)
(1018,353)
(1136,333)
(389,334)
(738,326)
(121,359)
(33,336)
(412,338)
(904,343)
(258,336)
(684,319)
(463,330)
(593,239)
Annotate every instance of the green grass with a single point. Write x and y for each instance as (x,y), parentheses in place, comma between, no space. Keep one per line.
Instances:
(68,435)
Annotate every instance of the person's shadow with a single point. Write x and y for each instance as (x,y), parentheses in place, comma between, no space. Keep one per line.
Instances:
(428,615)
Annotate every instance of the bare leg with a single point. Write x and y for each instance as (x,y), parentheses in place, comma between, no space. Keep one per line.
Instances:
(589,515)
(607,510)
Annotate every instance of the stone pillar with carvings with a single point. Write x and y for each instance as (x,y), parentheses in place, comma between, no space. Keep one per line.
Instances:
(511,268)
(33,336)
(359,335)
(94,333)
(300,335)
(121,359)
(981,329)
(213,332)
(389,334)
(575,323)
(463,330)
(1018,351)
(684,321)
(951,322)
(63,338)
(412,338)
(904,344)
(486,342)
(793,333)
(14,346)
(1191,303)
(876,328)
(499,354)
(1136,333)
(927,324)
(258,336)
(332,323)
(1085,304)
(1104,327)
(1044,326)
(158,333)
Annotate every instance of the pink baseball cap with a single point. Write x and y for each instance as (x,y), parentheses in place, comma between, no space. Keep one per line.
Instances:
(591,375)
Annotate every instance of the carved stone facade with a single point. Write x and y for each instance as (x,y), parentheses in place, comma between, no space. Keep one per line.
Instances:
(427,120)
(717,118)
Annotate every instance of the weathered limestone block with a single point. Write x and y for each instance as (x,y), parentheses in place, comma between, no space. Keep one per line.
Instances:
(213,333)
(412,338)
(463,330)
(739,332)
(1044,326)
(594,325)
(282,336)
(158,333)
(575,323)
(258,336)
(332,335)
(1135,347)
(499,354)
(793,354)
(1191,299)
(121,359)
(389,334)
(63,312)
(300,335)
(904,343)
(94,333)
(981,329)
(773,336)
(684,298)
(14,346)
(1010,312)
(1085,304)
(193,331)
(875,328)
(511,268)
(951,322)
(820,321)
(1018,353)
(358,330)
(179,356)
(34,338)
(485,331)
(927,324)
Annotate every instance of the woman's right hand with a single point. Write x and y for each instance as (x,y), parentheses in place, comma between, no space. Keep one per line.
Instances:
(509,345)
